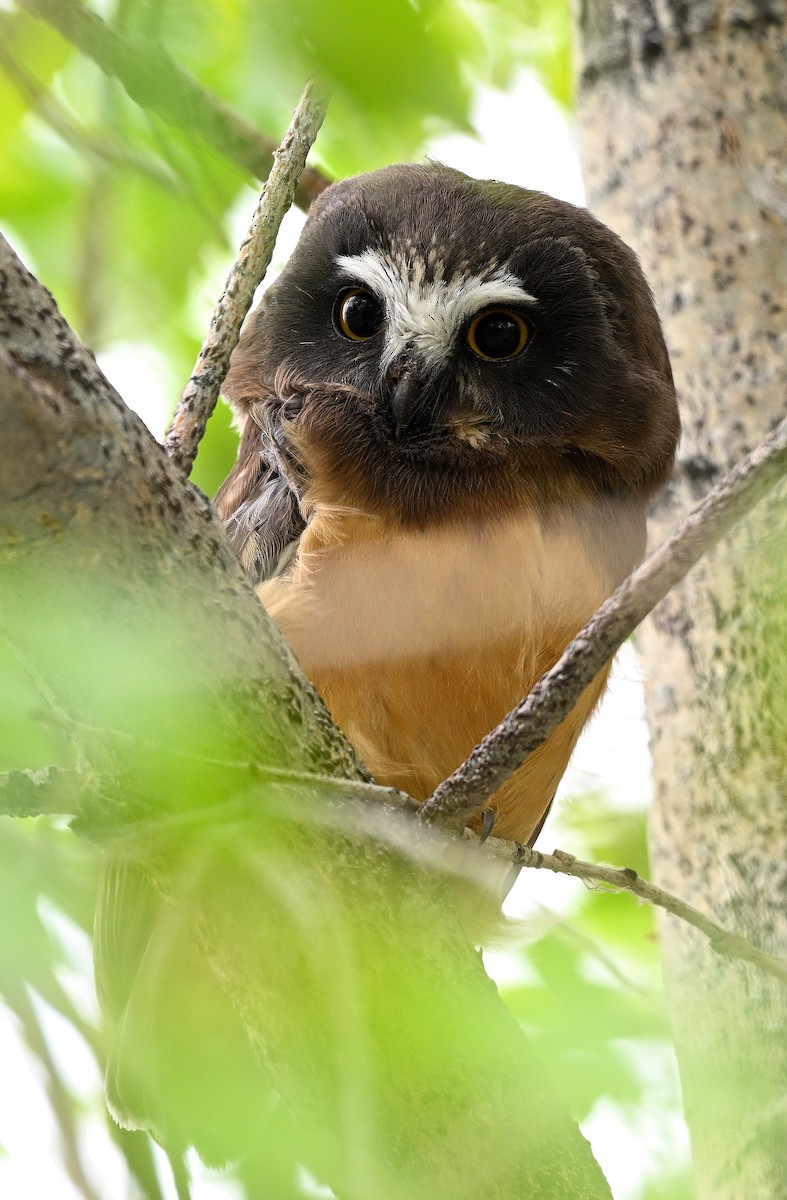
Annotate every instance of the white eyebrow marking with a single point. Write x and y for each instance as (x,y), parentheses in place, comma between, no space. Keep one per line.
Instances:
(427,314)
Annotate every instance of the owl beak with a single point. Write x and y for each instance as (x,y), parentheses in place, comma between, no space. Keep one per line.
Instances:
(404,397)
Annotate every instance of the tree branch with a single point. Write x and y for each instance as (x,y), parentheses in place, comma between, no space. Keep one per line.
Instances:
(158,84)
(528,725)
(247,272)
(73,792)
(625,879)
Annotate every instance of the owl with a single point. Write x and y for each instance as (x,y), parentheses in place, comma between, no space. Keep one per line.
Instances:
(455,403)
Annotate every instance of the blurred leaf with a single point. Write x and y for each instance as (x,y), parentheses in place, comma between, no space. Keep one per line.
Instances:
(577,1024)
(670,1187)
(619,920)
(534,33)
(26,741)
(24,41)
(389,66)
(39,857)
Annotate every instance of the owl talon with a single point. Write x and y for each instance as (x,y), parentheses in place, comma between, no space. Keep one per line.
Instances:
(488,818)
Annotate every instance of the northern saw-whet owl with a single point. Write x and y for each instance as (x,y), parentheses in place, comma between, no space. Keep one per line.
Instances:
(455,404)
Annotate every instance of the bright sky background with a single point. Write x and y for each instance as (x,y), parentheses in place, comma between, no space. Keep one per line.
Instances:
(522,137)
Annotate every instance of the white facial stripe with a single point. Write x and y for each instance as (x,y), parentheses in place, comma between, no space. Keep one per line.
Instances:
(426,314)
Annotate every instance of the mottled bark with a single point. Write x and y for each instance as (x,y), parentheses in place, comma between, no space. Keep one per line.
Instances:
(684,141)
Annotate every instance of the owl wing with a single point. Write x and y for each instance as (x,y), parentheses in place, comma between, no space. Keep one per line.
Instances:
(259,501)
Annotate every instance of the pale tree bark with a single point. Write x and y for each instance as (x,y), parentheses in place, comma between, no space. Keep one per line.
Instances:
(684,136)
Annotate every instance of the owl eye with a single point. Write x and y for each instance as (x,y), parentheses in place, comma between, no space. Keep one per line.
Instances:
(359,314)
(496,334)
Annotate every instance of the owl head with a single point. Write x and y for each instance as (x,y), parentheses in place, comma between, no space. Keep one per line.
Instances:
(437,344)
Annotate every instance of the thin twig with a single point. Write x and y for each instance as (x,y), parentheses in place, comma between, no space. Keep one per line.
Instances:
(202,390)
(159,85)
(528,725)
(37,97)
(33,793)
(625,879)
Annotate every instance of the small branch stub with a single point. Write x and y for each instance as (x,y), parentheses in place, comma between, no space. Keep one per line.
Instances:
(202,390)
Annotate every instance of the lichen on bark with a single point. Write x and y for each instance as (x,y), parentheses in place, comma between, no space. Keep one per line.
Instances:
(684,132)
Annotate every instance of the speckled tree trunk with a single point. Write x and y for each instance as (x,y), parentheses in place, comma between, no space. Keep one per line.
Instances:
(684,121)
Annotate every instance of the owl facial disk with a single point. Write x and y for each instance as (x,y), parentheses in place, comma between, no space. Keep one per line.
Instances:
(425,310)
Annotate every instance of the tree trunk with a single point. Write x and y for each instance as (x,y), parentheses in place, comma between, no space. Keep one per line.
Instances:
(684,129)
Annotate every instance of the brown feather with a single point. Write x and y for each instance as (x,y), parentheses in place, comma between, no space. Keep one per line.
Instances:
(420,641)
